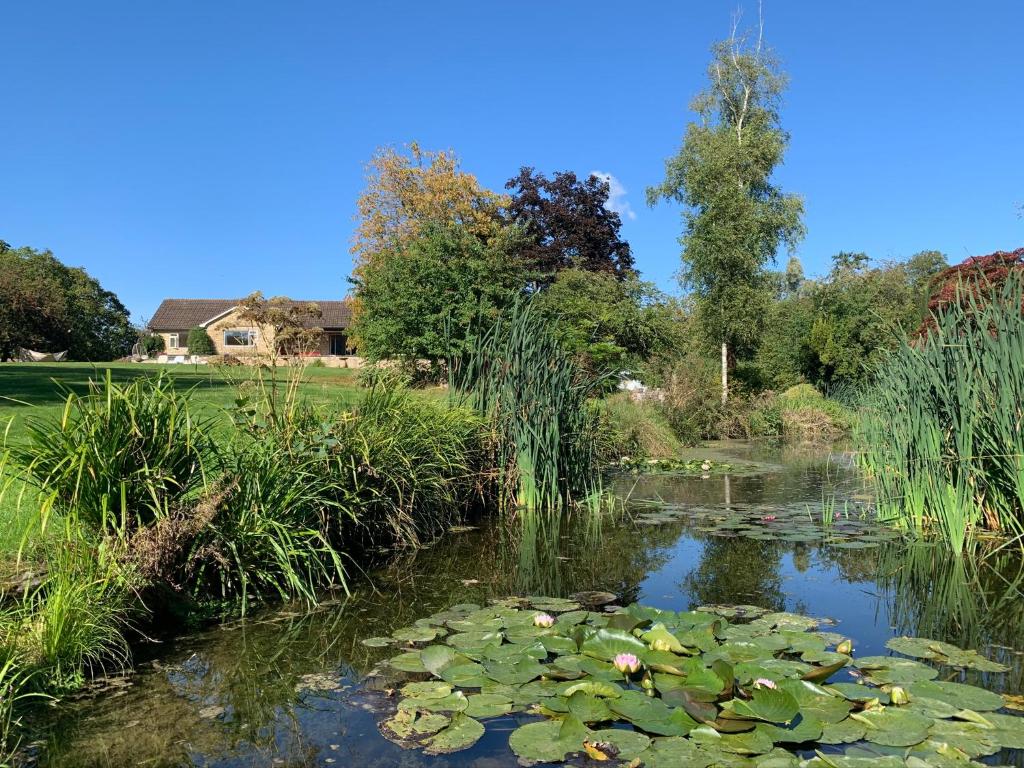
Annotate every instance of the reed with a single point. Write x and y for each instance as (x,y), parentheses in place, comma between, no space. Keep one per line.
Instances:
(534,396)
(940,433)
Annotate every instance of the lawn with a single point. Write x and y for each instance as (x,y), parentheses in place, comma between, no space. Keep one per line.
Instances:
(35,390)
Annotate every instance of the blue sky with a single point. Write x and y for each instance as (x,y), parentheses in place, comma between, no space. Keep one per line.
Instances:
(200,148)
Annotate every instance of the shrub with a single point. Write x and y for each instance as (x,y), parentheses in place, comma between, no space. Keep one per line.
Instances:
(153,344)
(692,400)
(200,343)
(634,428)
(120,456)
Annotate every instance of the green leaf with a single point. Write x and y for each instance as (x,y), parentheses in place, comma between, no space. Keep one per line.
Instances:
(462,733)
(484,705)
(958,694)
(606,644)
(768,704)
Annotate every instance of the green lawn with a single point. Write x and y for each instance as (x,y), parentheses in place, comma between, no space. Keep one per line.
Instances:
(34,390)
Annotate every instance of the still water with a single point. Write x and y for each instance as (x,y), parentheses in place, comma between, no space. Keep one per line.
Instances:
(286,687)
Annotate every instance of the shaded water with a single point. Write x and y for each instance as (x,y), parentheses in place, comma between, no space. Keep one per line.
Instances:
(285,688)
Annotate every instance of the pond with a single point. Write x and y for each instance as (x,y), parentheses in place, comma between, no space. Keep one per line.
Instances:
(783,530)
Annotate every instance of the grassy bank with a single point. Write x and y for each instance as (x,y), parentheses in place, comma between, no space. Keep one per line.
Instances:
(153,502)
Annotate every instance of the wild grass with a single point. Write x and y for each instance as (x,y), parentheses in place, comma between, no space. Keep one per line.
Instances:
(535,397)
(120,456)
(941,433)
(627,427)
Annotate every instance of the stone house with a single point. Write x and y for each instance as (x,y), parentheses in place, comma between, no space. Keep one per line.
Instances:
(231,335)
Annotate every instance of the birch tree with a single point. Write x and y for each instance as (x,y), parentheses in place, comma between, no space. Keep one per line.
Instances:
(735,218)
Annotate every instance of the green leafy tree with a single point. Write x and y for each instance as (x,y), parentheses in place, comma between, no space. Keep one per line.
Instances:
(610,324)
(47,306)
(735,217)
(430,290)
(200,343)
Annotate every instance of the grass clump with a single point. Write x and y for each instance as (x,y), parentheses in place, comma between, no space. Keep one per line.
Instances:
(941,433)
(633,428)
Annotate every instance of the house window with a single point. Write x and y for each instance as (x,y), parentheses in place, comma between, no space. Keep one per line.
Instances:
(172,341)
(239,338)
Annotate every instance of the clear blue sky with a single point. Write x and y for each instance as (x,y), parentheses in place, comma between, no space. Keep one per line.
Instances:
(202,148)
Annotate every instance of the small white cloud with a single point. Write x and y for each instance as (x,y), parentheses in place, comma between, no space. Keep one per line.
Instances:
(616,196)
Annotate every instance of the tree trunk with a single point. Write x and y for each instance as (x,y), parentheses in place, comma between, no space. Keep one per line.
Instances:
(725,372)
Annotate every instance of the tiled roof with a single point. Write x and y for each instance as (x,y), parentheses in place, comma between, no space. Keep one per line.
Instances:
(184,314)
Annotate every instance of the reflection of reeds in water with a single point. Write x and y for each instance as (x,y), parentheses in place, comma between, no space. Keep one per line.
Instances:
(975,601)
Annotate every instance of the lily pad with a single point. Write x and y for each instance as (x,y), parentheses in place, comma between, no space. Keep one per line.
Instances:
(958,694)
(462,733)
(548,741)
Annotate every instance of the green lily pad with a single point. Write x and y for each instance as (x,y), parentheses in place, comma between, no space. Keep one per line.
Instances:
(844,732)
(455,702)
(484,705)
(629,744)
(407,662)
(588,708)
(894,727)
(431,689)
(549,741)
(673,752)
(753,742)
(958,694)
(462,733)
(377,642)
(883,670)
(606,644)
(417,634)
(771,705)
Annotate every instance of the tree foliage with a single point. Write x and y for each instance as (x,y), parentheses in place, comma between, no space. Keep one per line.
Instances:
(609,324)
(425,294)
(200,343)
(568,223)
(408,191)
(735,217)
(291,325)
(47,306)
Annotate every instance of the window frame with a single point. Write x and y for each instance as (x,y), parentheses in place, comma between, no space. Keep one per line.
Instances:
(250,335)
(172,341)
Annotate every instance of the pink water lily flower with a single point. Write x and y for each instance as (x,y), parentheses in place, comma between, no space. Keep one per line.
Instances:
(626,663)
(544,620)
(764,682)
(768,519)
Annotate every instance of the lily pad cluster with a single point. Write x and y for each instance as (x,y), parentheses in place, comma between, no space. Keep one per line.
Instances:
(675,466)
(799,522)
(718,686)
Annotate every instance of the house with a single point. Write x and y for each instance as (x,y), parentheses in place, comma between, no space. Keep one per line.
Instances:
(231,335)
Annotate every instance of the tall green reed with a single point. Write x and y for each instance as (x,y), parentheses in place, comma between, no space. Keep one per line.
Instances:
(940,433)
(535,398)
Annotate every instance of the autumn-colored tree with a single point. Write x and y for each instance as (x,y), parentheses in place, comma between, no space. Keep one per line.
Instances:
(407,191)
(291,326)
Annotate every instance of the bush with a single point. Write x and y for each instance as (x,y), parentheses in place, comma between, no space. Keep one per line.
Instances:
(638,429)
(692,400)
(200,343)
(153,344)
(800,413)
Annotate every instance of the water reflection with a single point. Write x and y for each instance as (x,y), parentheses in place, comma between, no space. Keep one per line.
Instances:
(286,688)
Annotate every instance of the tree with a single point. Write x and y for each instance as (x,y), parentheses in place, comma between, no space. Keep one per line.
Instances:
(735,218)
(48,306)
(419,300)
(568,223)
(200,343)
(609,324)
(407,192)
(288,326)
(794,275)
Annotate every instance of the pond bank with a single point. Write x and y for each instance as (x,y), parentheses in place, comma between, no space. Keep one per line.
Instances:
(286,687)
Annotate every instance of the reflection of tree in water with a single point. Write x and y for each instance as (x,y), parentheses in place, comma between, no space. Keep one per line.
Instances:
(737,570)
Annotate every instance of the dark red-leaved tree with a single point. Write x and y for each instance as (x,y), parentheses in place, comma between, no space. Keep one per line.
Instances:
(976,276)
(568,224)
